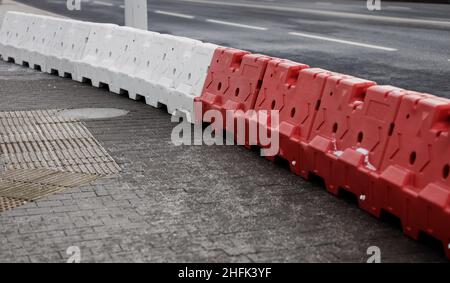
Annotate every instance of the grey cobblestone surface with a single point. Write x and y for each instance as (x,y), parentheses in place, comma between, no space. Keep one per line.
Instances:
(184,204)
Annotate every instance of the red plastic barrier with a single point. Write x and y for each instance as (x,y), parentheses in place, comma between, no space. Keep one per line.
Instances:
(415,183)
(295,91)
(337,126)
(390,147)
(233,82)
(352,132)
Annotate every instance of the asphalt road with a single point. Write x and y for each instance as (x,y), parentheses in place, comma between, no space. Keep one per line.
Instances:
(404,44)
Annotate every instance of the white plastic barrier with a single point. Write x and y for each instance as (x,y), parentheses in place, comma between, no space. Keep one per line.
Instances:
(29,40)
(137,61)
(179,50)
(164,69)
(176,72)
(8,40)
(100,51)
(189,83)
(35,51)
(170,51)
(45,35)
(68,47)
(16,28)
(153,59)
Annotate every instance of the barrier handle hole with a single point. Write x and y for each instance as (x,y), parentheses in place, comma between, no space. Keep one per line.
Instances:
(446,171)
(360,137)
(273,104)
(412,158)
(318,104)
(391,129)
(335,127)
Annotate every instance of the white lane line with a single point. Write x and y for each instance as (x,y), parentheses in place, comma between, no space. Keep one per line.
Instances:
(397,8)
(325,13)
(343,41)
(103,3)
(174,14)
(324,3)
(234,24)
(122,6)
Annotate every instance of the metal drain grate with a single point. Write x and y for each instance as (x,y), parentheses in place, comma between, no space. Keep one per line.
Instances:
(43,139)
(32,184)
(42,153)
(10,203)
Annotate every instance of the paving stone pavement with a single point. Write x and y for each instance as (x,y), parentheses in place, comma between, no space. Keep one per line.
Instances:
(182,204)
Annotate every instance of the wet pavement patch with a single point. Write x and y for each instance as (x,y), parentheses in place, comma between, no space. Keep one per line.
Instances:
(92,113)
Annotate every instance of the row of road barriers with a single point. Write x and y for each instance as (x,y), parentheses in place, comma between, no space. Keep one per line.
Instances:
(163,69)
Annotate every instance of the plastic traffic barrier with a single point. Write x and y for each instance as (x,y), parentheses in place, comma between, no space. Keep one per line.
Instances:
(15,34)
(42,42)
(138,66)
(111,55)
(415,182)
(192,73)
(6,34)
(336,125)
(183,60)
(68,48)
(358,167)
(233,83)
(47,40)
(164,69)
(101,51)
(360,128)
(33,43)
(294,90)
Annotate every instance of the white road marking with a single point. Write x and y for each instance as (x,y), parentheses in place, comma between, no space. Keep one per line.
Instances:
(103,3)
(174,14)
(324,3)
(326,13)
(343,41)
(397,8)
(122,6)
(235,24)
